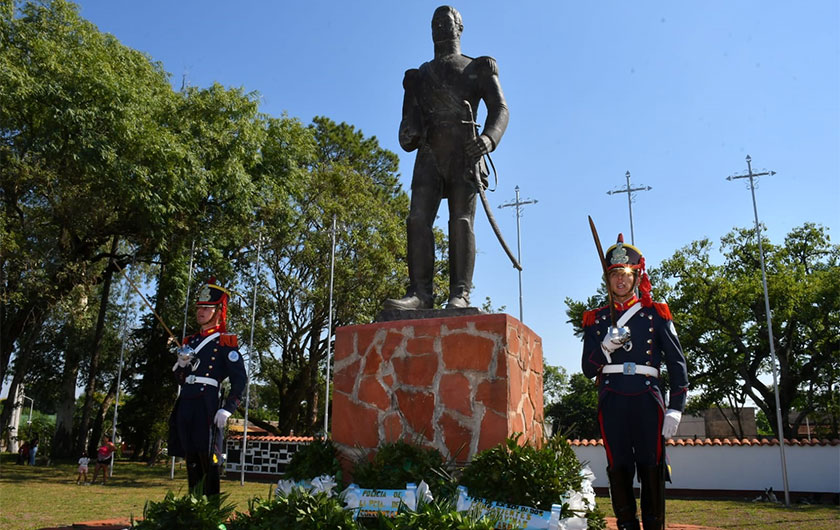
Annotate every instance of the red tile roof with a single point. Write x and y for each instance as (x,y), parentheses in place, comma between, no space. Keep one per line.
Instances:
(274,438)
(724,441)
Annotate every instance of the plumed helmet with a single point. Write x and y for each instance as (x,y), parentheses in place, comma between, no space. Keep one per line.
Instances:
(622,255)
(212,294)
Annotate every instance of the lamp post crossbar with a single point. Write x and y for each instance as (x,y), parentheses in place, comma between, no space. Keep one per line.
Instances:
(629,191)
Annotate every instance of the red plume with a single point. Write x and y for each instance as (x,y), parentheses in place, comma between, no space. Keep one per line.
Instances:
(644,285)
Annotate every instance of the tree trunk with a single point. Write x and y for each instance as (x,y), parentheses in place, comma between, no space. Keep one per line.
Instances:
(95,351)
(62,444)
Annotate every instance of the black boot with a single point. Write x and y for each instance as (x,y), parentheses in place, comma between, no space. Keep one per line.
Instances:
(623,499)
(652,497)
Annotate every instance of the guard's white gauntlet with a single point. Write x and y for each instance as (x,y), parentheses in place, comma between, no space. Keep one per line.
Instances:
(613,340)
(670,423)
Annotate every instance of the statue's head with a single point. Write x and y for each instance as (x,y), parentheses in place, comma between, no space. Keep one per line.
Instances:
(446,24)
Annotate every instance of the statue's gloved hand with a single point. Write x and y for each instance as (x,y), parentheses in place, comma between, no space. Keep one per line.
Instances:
(221,418)
(670,423)
(479,146)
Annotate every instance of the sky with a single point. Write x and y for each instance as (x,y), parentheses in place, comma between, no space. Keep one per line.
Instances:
(676,93)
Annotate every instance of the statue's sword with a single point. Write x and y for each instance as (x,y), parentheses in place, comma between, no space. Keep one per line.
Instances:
(473,129)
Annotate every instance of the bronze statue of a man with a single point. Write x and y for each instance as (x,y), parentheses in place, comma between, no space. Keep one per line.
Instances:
(441,98)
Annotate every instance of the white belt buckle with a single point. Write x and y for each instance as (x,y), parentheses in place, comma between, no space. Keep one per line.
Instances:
(190,379)
(629,369)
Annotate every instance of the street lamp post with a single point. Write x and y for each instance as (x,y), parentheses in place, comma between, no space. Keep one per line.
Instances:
(518,205)
(781,433)
(29,422)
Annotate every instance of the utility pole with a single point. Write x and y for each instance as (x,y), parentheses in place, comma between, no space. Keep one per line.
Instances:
(518,204)
(752,176)
(333,230)
(629,191)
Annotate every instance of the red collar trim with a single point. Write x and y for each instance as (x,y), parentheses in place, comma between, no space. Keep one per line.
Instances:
(205,332)
(626,305)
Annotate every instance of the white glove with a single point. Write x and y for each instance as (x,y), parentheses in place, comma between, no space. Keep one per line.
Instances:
(670,423)
(613,340)
(221,418)
(185,355)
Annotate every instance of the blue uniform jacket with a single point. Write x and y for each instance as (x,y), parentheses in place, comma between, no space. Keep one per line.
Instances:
(654,342)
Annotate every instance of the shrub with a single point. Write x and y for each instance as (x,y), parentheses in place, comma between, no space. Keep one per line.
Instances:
(524,475)
(313,460)
(398,463)
(299,510)
(438,515)
(197,512)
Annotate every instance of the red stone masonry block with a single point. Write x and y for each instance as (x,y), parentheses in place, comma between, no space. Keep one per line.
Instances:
(467,352)
(415,370)
(372,361)
(393,341)
(494,430)
(343,346)
(418,408)
(454,393)
(393,427)
(372,393)
(355,422)
(420,345)
(456,437)
(345,379)
(493,395)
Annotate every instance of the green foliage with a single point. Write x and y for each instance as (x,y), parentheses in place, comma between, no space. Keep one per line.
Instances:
(575,414)
(523,474)
(313,460)
(720,315)
(299,510)
(398,463)
(555,383)
(188,511)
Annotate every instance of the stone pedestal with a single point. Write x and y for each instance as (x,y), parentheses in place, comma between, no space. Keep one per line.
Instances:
(458,384)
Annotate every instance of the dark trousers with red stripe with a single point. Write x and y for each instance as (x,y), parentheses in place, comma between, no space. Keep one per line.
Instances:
(631,427)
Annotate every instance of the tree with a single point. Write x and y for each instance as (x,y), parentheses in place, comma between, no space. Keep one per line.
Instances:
(85,156)
(352,178)
(575,414)
(720,314)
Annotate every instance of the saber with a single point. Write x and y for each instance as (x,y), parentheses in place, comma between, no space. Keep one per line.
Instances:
(487,209)
(603,267)
(162,323)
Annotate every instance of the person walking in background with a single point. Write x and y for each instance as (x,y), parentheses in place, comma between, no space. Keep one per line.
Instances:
(103,458)
(33,450)
(83,469)
(624,345)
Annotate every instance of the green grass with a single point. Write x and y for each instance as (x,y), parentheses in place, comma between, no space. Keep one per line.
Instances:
(38,497)
(744,514)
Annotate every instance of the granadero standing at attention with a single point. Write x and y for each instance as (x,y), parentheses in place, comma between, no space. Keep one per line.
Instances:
(625,356)
(196,427)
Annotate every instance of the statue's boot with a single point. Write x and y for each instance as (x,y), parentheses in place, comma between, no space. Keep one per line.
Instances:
(461,260)
(623,499)
(408,302)
(652,499)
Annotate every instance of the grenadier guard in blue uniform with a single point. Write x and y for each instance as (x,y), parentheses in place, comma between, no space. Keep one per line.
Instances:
(626,356)
(196,427)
